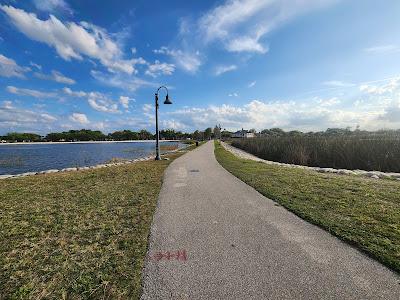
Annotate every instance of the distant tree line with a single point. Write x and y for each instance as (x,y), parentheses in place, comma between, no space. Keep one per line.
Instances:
(96,135)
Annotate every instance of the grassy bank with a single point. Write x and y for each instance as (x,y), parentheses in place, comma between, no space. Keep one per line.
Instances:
(362,211)
(77,235)
(371,153)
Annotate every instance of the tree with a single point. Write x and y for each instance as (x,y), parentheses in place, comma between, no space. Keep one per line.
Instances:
(277,132)
(145,135)
(76,135)
(196,135)
(22,137)
(124,135)
(208,133)
(226,134)
(217,131)
(265,132)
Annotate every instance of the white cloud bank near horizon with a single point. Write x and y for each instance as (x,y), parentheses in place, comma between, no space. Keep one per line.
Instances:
(377,106)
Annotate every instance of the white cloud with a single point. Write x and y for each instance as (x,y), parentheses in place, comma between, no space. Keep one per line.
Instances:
(47,117)
(290,115)
(382,49)
(9,68)
(223,69)
(390,87)
(124,101)
(101,103)
(72,93)
(158,68)
(72,40)
(53,6)
(18,119)
(39,67)
(246,44)
(328,102)
(337,83)
(186,60)
(172,124)
(126,83)
(29,92)
(79,118)
(55,76)
(233,95)
(7,104)
(147,108)
(251,84)
(241,24)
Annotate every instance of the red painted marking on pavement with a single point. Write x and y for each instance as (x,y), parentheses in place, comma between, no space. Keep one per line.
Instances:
(179,255)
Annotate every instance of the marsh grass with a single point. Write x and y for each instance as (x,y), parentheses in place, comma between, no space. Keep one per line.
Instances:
(361,211)
(77,235)
(371,153)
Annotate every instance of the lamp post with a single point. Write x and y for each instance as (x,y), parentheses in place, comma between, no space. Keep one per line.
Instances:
(167,101)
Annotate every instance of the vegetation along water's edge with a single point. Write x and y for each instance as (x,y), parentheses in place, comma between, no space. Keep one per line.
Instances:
(78,235)
(370,151)
(371,174)
(361,211)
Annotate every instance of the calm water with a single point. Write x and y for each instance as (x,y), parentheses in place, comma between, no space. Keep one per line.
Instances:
(15,159)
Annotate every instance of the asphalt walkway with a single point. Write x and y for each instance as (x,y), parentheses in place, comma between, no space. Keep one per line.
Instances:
(214,237)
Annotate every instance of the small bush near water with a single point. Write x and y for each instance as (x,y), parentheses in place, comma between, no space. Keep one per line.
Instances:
(378,153)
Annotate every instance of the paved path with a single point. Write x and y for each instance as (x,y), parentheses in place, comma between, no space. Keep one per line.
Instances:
(241,245)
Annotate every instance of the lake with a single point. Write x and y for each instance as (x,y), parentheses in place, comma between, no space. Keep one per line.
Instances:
(21,158)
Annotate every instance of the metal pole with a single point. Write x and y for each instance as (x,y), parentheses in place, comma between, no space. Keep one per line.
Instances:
(157,132)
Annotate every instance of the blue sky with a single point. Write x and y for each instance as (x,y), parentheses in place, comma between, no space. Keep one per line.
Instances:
(306,65)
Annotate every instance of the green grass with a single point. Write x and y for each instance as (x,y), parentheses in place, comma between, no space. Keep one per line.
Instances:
(364,212)
(77,235)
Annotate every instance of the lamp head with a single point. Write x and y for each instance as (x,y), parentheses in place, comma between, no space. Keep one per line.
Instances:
(167,101)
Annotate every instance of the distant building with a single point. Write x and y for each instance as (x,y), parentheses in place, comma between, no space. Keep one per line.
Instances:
(243,134)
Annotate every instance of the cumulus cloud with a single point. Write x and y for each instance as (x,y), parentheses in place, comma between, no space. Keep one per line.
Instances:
(289,115)
(55,76)
(102,103)
(223,69)
(18,119)
(78,94)
(159,68)
(9,68)
(30,92)
(72,40)
(79,118)
(328,102)
(389,87)
(186,60)
(124,101)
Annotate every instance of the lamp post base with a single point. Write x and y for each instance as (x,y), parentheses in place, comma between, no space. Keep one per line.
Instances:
(158,157)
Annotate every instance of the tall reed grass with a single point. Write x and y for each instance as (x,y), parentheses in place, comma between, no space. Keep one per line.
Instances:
(378,153)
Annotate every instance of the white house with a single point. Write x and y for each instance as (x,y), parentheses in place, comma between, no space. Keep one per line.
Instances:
(243,134)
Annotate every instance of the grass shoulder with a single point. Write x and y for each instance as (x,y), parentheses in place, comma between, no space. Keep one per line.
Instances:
(362,211)
(78,235)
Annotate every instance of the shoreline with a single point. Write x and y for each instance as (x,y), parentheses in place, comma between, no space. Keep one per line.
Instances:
(88,142)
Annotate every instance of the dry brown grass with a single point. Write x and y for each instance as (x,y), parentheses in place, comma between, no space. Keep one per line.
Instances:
(78,235)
